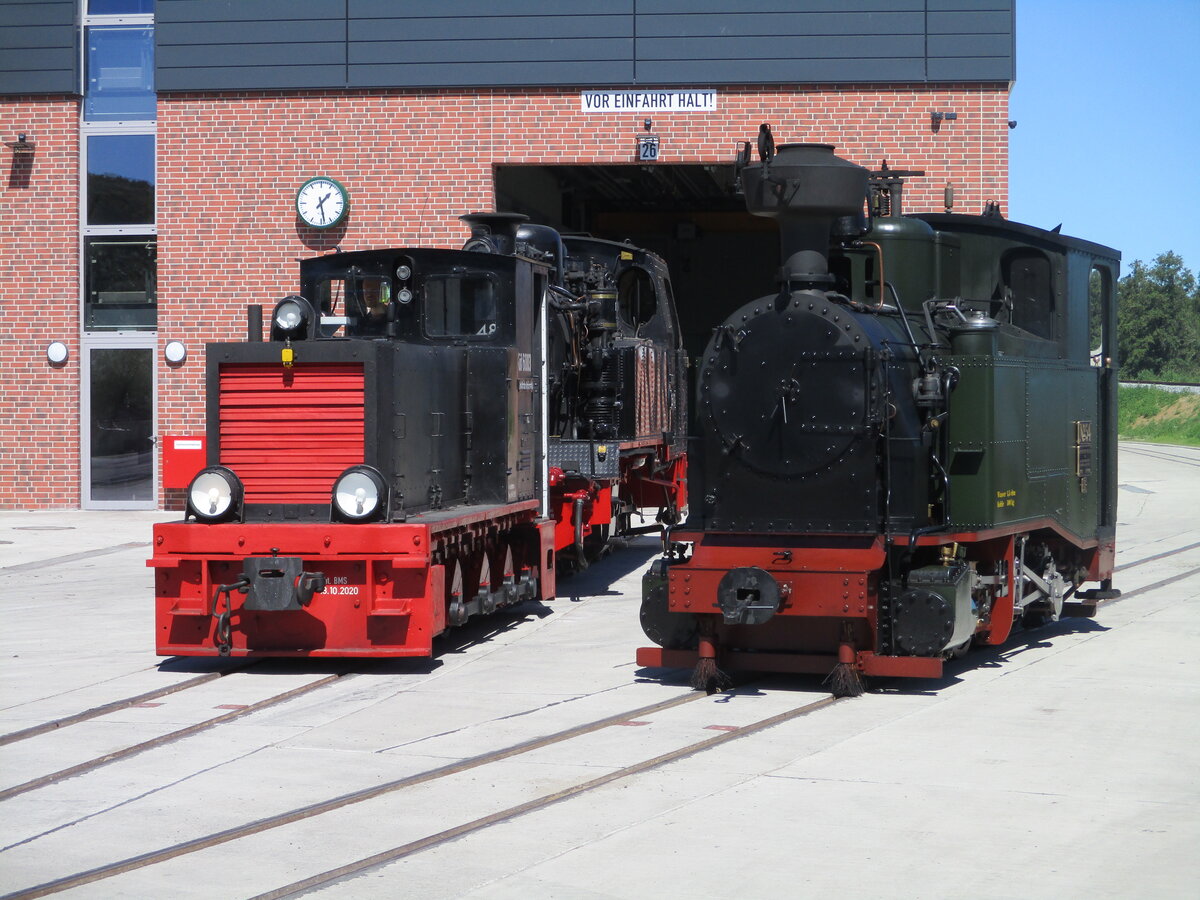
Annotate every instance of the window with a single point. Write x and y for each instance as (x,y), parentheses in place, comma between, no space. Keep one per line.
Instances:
(120,74)
(120,7)
(1099,300)
(636,300)
(1029,283)
(463,305)
(120,283)
(120,179)
(360,304)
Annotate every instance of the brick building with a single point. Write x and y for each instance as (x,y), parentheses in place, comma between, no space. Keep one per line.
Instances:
(153,196)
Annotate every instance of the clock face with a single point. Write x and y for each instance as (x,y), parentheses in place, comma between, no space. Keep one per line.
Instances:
(322,202)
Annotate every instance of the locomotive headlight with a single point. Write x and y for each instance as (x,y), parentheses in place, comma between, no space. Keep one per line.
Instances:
(403,272)
(288,316)
(292,319)
(215,495)
(360,494)
(404,296)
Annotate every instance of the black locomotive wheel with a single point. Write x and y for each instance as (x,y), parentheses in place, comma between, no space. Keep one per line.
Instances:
(456,610)
(671,631)
(1032,617)
(596,544)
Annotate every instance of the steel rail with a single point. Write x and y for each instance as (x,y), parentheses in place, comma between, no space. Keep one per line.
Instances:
(1157,556)
(134,749)
(116,705)
(70,558)
(1160,451)
(1127,595)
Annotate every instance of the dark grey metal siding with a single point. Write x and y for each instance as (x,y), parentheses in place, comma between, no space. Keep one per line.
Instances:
(39,50)
(481,42)
(970,40)
(262,44)
(249,44)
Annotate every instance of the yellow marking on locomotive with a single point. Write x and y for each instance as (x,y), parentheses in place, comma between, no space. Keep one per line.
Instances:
(1006,499)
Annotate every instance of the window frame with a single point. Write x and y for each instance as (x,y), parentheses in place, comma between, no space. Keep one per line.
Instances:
(501,323)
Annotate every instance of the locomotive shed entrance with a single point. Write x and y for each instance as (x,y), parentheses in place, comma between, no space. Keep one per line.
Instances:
(689,214)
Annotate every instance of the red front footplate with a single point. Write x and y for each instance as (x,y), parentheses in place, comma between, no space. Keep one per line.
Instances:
(383,597)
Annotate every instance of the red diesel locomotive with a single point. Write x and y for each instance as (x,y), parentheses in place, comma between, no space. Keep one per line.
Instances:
(426,434)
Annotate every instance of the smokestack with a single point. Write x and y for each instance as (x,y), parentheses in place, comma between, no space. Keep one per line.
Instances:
(805,187)
(493,232)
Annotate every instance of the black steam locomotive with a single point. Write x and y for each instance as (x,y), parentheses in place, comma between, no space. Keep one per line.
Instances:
(907,448)
(427,434)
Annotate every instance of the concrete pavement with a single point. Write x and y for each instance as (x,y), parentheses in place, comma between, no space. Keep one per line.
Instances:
(1059,766)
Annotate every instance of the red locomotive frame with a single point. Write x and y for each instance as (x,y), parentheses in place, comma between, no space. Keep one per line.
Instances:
(836,584)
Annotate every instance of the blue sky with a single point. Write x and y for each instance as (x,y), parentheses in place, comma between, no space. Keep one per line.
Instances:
(1107,104)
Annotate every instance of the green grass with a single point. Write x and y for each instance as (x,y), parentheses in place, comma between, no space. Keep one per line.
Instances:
(1150,414)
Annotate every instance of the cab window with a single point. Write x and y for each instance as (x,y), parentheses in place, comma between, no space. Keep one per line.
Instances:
(1029,285)
(461,305)
(359,305)
(636,300)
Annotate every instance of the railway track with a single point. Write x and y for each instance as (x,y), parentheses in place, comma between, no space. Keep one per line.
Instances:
(1166,554)
(394,854)
(117,705)
(1164,452)
(458,767)
(162,740)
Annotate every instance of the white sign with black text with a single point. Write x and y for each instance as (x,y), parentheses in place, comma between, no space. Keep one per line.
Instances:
(648,101)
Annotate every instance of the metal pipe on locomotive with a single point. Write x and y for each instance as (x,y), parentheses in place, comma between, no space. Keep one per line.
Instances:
(425,436)
(905,450)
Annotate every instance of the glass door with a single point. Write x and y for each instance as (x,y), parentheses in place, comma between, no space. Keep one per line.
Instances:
(119,431)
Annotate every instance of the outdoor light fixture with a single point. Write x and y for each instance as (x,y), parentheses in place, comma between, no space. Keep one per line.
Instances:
(57,353)
(937,117)
(360,494)
(21,145)
(215,495)
(175,352)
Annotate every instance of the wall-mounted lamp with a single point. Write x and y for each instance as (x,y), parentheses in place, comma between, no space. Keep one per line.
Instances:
(937,117)
(57,353)
(21,145)
(648,124)
(175,352)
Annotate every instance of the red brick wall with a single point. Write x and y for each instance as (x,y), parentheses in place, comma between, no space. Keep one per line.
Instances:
(39,299)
